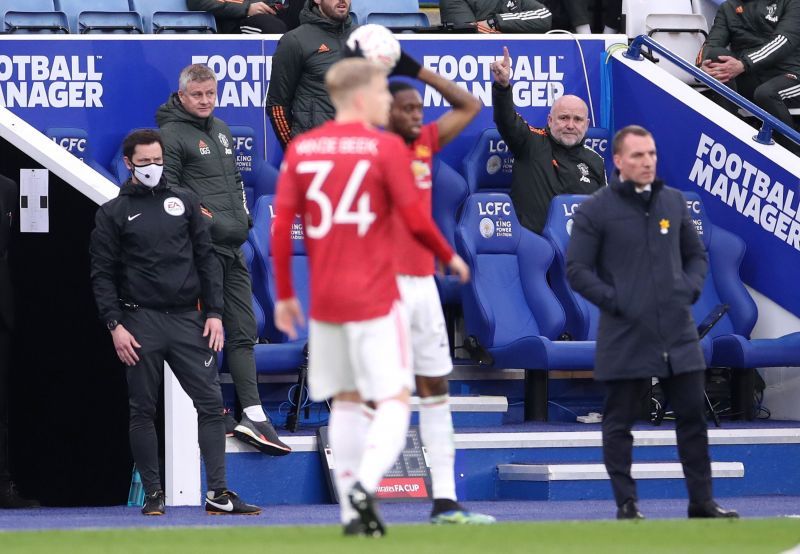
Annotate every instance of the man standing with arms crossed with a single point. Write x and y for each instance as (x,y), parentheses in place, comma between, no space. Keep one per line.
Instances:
(346,178)
(634,253)
(415,267)
(199,155)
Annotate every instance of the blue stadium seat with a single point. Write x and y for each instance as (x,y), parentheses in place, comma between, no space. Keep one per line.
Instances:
(732,346)
(488,164)
(32,17)
(101,16)
(449,192)
(354,18)
(509,307)
(399,19)
(363,8)
(249,161)
(172,16)
(263,274)
(76,142)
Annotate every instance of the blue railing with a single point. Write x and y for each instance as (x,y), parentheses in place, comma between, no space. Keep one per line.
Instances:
(769,121)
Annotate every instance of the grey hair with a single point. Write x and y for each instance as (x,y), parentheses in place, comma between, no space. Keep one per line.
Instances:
(195,73)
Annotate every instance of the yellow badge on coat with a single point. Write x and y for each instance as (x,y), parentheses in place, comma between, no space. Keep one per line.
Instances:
(664,224)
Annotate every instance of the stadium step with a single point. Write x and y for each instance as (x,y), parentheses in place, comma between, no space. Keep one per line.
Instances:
(536,481)
(471,411)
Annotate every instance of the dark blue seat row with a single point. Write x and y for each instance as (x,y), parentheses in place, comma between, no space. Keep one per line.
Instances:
(103,16)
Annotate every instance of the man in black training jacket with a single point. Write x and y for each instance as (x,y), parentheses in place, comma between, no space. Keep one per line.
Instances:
(549,161)
(158,288)
(634,252)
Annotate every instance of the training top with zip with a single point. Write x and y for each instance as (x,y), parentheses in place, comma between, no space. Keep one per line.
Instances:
(297,99)
(763,34)
(199,155)
(643,266)
(512,16)
(152,248)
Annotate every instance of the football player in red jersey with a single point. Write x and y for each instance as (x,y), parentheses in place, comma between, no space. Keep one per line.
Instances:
(415,267)
(346,178)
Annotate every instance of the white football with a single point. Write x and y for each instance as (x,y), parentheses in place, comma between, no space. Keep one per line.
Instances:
(377,44)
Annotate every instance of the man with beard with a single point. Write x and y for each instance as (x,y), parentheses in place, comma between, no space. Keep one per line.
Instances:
(548,161)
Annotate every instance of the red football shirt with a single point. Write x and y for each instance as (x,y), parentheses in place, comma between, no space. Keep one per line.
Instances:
(413,258)
(345,180)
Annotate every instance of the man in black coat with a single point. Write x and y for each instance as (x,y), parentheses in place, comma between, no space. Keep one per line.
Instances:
(9,498)
(634,252)
(547,161)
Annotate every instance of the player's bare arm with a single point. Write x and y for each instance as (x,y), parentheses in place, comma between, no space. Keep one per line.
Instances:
(465,106)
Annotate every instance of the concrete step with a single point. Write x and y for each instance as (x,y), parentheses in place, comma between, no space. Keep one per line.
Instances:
(585,472)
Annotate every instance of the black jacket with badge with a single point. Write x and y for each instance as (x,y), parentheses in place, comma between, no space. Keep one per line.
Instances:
(763,34)
(152,247)
(297,100)
(543,168)
(643,265)
(9,204)
(511,16)
(199,155)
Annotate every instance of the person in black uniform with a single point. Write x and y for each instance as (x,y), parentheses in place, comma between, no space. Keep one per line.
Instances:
(635,253)
(547,162)
(754,48)
(158,288)
(9,497)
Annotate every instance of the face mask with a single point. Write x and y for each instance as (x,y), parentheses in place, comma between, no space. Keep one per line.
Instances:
(149,175)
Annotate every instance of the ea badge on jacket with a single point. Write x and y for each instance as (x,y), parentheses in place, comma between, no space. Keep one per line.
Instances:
(174,206)
(664,224)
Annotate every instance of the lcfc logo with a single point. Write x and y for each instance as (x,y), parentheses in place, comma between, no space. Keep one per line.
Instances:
(493,164)
(486,228)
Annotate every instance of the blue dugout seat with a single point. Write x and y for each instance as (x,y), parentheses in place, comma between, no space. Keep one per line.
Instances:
(76,142)
(32,17)
(172,16)
(362,8)
(449,192)
(732,345)
(405,20)
(258,176)
(508,305)
(101,16)
(488,164)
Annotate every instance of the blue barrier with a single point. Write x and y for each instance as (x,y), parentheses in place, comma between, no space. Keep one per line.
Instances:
(770,122)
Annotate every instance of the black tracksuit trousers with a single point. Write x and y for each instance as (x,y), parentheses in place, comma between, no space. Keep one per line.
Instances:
(177,339)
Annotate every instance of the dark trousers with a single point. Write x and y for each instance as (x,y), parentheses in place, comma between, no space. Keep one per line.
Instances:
(285,20)
(769,93)
(623,405)
(240,326)
(580,12)
(5,362)
(176,339)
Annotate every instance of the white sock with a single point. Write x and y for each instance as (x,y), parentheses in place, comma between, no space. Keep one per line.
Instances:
(347,431)
(585,29)
(385,441)
(436,429)
(255,413)
(609,31)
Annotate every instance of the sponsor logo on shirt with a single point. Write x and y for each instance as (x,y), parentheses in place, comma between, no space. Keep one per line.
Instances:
(422,174)
(204,149)
(174,206)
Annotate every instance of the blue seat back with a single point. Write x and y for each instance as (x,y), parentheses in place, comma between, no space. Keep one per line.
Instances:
(32,17)
(488,164)
(508,297)
(172,16)
(582,316)
(258,311)
(100,16)
(76,141)
(263,267)
(449,192)
(723,283)
(388,19)
(599,140)
(248,158)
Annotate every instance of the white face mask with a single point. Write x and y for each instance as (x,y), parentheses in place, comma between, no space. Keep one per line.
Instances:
(149,175)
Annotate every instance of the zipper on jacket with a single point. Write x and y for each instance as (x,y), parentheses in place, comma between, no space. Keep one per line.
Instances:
(664,353)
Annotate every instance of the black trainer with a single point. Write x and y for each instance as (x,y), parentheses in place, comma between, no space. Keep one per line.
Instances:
(230,422)
(228,502)
(364,503)
(154,504)
(10,499)
(354,529)
(261,435)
